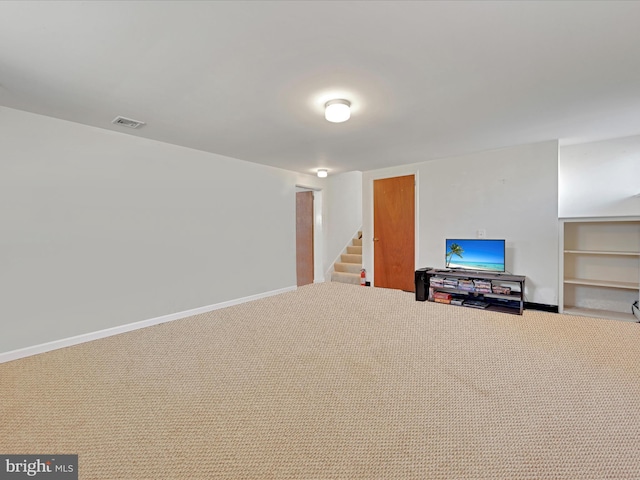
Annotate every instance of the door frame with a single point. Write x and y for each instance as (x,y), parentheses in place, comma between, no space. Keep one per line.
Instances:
(367,213)
(318,274)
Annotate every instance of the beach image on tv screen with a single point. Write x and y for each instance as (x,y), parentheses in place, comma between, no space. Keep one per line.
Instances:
(475,254)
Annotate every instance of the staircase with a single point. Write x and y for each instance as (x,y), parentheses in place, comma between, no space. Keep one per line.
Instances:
(347,270)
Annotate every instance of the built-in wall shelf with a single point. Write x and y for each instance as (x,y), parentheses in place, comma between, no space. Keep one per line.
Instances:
(600,266)
(604,283)
(590,312)
(596,252)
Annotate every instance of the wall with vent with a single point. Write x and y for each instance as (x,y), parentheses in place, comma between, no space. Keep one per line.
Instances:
(101,229)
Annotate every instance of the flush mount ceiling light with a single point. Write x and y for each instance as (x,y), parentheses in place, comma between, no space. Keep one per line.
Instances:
(337,111)
(322,172)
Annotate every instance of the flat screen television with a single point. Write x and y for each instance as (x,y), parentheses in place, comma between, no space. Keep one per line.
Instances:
(475,254)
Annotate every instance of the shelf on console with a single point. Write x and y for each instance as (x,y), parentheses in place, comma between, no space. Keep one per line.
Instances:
(515,296)
(497,302)
(491,308)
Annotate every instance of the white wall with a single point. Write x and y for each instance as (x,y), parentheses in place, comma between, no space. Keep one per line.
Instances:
(100,229)
(600,179)
(511,193)
(342,214)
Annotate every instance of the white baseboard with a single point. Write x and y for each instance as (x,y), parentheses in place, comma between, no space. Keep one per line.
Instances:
(108,332)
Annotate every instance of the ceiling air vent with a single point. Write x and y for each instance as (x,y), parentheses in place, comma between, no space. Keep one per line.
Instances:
(127,122)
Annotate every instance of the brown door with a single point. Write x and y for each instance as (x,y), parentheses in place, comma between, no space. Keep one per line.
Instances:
(394,233)
(304,237)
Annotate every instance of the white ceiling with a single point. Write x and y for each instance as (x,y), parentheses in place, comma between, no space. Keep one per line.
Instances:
(248,79)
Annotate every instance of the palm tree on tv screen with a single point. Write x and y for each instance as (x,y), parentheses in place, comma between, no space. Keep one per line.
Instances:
(454,249)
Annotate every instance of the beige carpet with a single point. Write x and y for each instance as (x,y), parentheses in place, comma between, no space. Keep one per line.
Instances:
(336,381)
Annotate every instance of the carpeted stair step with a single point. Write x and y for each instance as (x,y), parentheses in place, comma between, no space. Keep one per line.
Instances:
(351,258)
(347,270)
(345,277)
(348,267)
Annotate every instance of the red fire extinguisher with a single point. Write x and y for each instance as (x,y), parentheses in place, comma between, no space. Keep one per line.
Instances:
(363,278)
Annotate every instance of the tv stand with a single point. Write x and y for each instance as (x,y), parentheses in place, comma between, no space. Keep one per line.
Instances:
(512,302)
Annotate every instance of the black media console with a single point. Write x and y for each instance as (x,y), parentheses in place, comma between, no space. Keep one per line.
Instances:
(498,292)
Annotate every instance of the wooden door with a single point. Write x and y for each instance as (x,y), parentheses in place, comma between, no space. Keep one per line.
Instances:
(394,233)
(304,238)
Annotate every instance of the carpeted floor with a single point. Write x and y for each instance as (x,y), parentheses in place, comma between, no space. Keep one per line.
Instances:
(336,381)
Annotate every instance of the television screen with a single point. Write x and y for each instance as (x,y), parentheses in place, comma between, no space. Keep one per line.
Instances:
(475,254)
